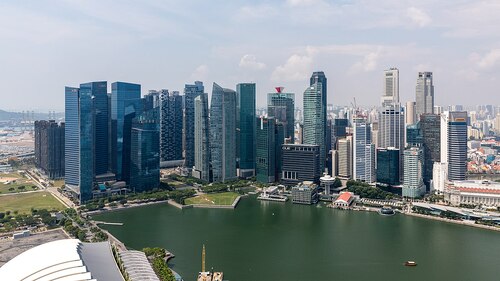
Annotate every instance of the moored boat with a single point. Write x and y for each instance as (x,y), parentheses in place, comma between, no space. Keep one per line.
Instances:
(411,263)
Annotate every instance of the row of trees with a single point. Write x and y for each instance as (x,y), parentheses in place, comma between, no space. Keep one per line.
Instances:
(156,257)
(365,190)
(10,221)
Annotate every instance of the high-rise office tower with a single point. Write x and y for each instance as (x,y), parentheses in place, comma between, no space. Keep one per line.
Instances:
(281,106)
(411,117)
(444,136)
(79,147)
(223,133)
(151,100)
(49,148)
(190,93)
(391,87)
(266,150)
(300,163)
(363,152)
(314,126)
(145,151)
(98,92)
(414,135)
(424,94)
(245,124)
(430,126)
(201,138)
(318,77)
(457,145)
(344,154)
(388,165)
(126,104)
(339,130)
(392,130)
(171,126)
(392,127)
(413,184)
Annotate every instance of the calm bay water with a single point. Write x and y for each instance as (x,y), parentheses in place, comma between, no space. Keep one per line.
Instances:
(276,241)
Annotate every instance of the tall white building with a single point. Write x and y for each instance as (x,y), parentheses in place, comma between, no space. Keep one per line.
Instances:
(344,157)
(413,184)
(391,87)
(363,152)
(411,117)
(424,94)
(439,177)
(444,136)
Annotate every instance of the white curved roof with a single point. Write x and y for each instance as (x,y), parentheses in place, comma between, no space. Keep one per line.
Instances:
(64,260)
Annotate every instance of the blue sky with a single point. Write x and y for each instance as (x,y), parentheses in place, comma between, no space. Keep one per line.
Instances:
(47,45)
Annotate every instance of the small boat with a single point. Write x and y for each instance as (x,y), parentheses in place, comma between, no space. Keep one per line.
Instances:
(410,263)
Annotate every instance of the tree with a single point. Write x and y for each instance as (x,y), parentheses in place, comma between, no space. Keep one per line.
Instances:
(337,183)
(22,187)
(11,189)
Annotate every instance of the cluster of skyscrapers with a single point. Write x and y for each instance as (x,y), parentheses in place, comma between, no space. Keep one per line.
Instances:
(125,138)
(404,145)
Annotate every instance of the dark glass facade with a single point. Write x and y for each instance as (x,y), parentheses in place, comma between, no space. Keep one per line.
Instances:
(126,104)
(300,162)
(430,126)
(145,151)
(49,148)
(388,166)
(266,146)
(72,137)
(245,118)
(414,135)
(457,145)
(281,106)
(98,92)
(171,126)
(190,93)
(339,130)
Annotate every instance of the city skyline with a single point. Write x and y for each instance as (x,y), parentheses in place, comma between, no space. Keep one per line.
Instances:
(354,46)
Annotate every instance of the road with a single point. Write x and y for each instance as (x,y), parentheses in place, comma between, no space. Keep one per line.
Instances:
(53,190)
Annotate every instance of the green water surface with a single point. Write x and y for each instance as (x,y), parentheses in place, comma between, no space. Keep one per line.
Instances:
(277,241)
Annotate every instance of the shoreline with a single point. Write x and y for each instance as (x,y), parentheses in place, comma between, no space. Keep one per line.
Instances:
(465,223)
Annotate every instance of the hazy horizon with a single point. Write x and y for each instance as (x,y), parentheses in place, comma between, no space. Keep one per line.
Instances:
(48,45)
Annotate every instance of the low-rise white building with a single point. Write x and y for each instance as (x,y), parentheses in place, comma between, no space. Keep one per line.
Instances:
(475,192)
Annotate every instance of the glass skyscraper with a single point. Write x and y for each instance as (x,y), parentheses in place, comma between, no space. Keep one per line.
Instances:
(318,77)
(314,120)
(266,150)
(388,165)
(457,145)
(363,152)
(98,92)
(145,151)
(201,138)
(245,116)
(190,93)
(49,148)
(223,133)
(79,142)
(126,104)
(281,106)
(430,126)
(171,126)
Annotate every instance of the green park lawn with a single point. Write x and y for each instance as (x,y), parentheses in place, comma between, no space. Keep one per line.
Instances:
(23,202)
(19,181)
(224,198)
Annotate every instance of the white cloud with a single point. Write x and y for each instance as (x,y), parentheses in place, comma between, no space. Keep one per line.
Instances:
(294,3)
(418,16)
(255,12)
(489,60)
(200,73)
(296,68)
(369,63)
(250,61)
